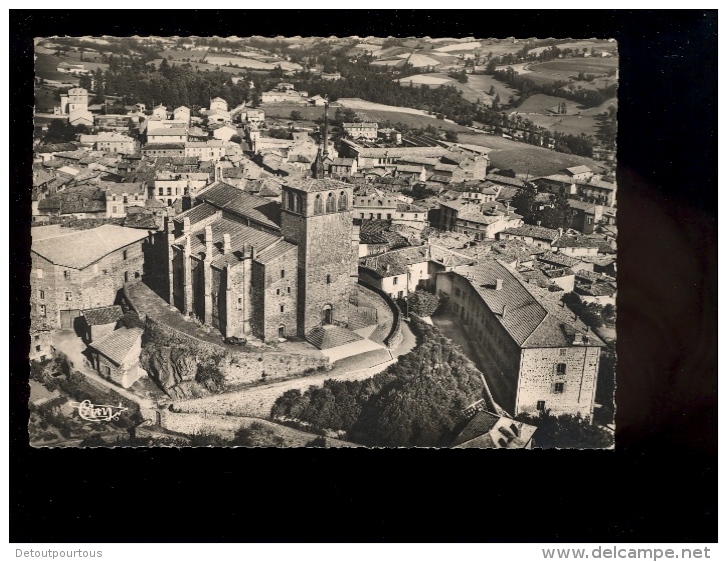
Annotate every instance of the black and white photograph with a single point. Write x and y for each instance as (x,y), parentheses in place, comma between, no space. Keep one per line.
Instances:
(324,242)
(285,279)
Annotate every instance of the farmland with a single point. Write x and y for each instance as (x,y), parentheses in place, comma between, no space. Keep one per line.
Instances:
(598,46)
(428,79)
(540,103)
(457,47)
(45,67)
(567,69)
(526,158)
(369,111)
(230,60)
(283,111)
(568,124)
(193,55)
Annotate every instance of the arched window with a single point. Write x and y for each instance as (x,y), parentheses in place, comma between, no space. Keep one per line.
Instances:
(318,205)
(331,203)
(343,201)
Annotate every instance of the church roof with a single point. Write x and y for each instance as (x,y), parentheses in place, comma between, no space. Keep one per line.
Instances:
(311,185)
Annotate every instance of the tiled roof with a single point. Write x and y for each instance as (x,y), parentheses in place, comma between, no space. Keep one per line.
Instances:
(145,220)
(197,213)
(569,241)
(239,236)
(312,185)
(504,180)
(582,205)
(479,426)
(219,193)
(163,146)
(599,183)
(256,208)
(79,249)
(59,147)
(532,231)
(408,208)
(80,199)
(117,345)
(274,251)
(163,132)
(409,168)
(558,259)
(523,315)
(579,170)
(343,162)
(102,315)
(113,188)
(456,204)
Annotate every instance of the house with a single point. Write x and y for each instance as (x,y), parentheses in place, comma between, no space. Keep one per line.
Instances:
(342,167)
(121,196)
(116,357)
(115,143)
(218,104)
(255,116)
(159,113)
(224,133)
(537,355)
(480,220)
(367,131)
(375,207)
(486,430)
(574,245)
(165,149)
(584,216)
(218,116)
(75,98)
(317,101)
(598,190)
(596,287)
(81,202)
(182,113)
(579,173)
(330,75)
(389,135)
(77,270)
(411,215)
(538,236)
(79,117)
(212,149)
(164,135)
(97,323)
(41,342)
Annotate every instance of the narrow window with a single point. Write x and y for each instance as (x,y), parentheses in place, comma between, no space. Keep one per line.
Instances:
(42,310)
(37,348)
(69,296)
(563,351)
(560,369)
(124,255)
(282,274)
(67,275)
(42,297)
(541,405)
(558,387)
(282,308)
(328,279)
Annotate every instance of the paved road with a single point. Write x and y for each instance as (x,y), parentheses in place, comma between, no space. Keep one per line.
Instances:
(257,402)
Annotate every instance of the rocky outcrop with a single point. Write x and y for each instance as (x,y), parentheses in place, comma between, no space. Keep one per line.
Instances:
(173,369)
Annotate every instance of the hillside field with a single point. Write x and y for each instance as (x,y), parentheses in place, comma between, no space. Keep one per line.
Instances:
(526,158)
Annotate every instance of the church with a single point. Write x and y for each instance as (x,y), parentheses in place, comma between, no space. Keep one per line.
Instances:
(253,267)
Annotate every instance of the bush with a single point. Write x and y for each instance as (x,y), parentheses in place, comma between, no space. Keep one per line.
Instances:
(423,303)
(567,432)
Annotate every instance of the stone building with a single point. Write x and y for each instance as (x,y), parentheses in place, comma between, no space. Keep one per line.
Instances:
(116,356)
(79,270)
(539,355)
(250,266)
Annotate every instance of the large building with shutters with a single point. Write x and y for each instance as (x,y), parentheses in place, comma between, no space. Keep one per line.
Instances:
(73,270)
(249,266)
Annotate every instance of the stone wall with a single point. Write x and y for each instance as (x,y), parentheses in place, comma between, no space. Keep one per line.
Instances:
(281,289)
(539,375)
(239,367)
(389,307)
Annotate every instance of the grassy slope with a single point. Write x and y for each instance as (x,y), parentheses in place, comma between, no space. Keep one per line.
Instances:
(526,158)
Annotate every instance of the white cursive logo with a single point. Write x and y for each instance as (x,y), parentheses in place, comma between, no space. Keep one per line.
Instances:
(97,413)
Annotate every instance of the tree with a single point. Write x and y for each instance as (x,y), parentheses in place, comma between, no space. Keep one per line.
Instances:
(295,115)
(423,303)
(256,435)
(492,90)
(451,136)
(60,130)
(567,432)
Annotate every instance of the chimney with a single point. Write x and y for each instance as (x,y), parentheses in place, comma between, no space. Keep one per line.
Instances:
(538,223)
(186,226)
(226,245)
(208,234)
(560,232)
(504,311)
(498,284)
(253,253)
